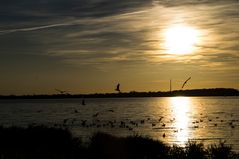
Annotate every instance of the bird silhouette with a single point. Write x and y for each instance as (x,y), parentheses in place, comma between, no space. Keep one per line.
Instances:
(164,135)
(83,102)
(186,82)
(95,115)
(60,91)
(117,88)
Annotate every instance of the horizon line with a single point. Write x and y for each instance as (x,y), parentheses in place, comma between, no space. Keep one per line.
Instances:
(108,93)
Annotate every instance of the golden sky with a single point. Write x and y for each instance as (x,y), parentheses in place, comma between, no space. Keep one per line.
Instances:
(88,46)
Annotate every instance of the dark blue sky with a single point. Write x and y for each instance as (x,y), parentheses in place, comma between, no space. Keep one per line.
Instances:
(86,46)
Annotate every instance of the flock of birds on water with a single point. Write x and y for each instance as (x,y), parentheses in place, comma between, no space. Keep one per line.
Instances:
(96,122)
(131,125)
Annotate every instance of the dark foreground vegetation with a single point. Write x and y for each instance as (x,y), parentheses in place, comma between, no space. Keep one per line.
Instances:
(39,142)
(193,92)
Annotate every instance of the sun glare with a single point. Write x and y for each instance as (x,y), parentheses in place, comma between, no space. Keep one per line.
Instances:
(181,106)
(180,39)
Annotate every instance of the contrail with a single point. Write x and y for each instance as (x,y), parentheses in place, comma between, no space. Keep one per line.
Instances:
(69,23)
(186,82)
(33,28)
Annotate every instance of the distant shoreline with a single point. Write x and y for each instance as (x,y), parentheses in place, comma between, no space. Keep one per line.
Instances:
(190,93)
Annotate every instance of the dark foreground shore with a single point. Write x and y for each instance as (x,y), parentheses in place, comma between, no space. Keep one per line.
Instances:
(40,142)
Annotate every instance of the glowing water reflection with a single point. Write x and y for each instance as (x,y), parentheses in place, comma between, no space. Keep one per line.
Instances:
(181,108)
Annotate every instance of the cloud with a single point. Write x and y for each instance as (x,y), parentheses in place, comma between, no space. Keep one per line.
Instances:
(111,34)
(120,29)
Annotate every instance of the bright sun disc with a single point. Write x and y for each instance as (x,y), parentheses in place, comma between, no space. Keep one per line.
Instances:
(180,39)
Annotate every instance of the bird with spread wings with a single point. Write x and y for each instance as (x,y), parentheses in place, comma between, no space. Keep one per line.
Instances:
(185,82)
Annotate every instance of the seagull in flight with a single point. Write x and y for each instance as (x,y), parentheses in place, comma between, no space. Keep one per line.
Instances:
(117,88)
(60,91)
(186,82)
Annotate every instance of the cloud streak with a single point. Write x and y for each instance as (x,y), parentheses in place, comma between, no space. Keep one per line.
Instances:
(108,35)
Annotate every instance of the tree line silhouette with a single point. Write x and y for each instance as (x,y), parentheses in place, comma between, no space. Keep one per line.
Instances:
(190,93)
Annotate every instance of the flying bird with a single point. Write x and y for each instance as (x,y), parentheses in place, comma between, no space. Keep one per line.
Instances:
(60,91)
(117,87)
(186,82)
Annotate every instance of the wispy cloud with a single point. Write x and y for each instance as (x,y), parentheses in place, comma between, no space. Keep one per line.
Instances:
(112,34)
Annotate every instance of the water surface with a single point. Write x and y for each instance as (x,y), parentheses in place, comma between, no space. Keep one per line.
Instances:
(174,120)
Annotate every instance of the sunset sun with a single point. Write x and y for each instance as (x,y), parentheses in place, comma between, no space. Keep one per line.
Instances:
(180,40)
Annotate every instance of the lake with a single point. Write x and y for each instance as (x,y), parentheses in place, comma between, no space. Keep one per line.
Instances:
(173,120)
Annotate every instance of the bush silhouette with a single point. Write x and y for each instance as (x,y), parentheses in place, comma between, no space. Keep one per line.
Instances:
(56,143)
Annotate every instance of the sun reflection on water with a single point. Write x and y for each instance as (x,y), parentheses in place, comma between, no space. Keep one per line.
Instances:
(181,108)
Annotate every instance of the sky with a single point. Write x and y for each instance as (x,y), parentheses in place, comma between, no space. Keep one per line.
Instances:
(88,46)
